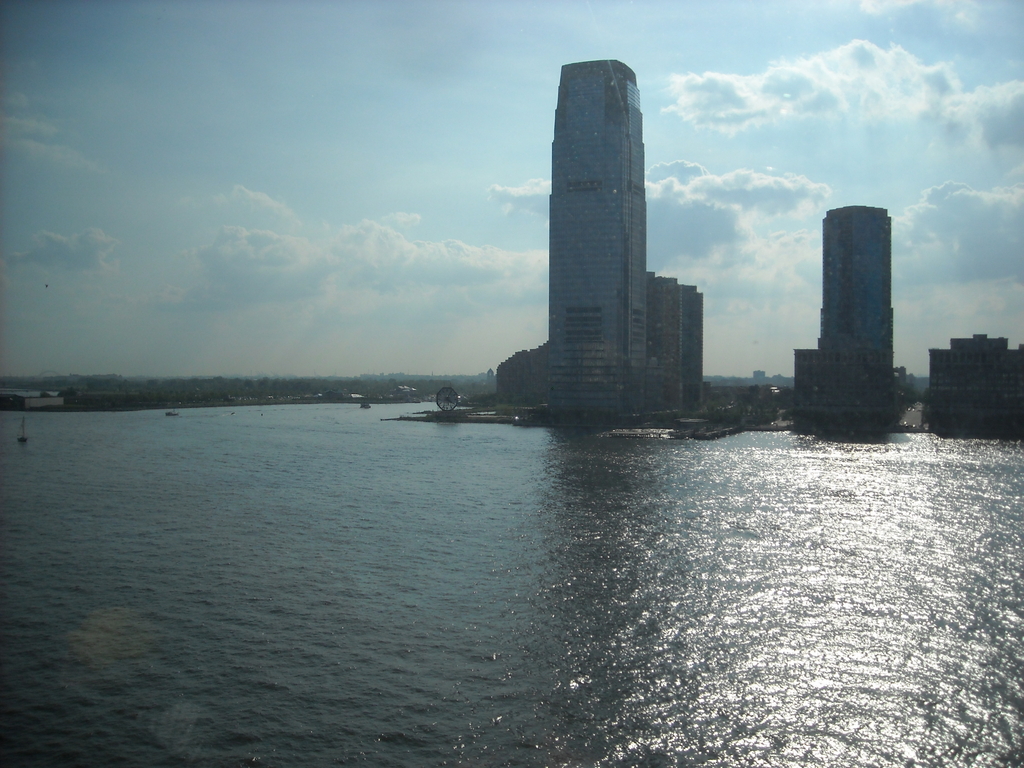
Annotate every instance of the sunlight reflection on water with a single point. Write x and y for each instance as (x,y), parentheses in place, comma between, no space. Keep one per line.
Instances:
(811,602)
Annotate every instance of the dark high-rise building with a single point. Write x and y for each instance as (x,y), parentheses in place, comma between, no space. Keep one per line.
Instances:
(675,344)
(976,388)
(523,378)
(856,291)
(598,242)
(847,382)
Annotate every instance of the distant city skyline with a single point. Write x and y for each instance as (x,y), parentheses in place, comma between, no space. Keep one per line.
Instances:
(304,188)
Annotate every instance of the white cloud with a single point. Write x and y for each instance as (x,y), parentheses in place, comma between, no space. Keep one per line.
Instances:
(33,135)
(402,220)
(857,78)
(86,250)
(28,126)
(766,271)
(58,154)
(761,291)
(244,266)
(993,114)
(359,267)
(745,190)
(958,268)
(956,233)
(760,302)
(381,258)
(531,197)
(681,170)
(259,201)
(700,215)
(696,230)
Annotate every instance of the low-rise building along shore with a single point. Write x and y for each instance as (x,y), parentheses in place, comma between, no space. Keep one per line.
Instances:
(977,389)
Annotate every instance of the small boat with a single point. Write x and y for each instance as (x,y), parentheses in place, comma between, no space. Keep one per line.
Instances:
(364,405)
(22,437)
(170,413)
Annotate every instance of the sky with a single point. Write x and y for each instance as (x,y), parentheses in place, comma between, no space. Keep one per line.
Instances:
(338,188)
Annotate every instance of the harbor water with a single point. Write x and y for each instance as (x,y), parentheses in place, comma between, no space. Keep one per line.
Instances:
(314,586)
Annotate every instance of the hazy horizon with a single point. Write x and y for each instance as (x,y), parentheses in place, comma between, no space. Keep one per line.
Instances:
(188,188)
(263,375)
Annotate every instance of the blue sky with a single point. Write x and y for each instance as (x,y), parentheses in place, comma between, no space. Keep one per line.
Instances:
(200,188)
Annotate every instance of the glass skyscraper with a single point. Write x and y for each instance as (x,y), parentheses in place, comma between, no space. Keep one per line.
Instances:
(598,242)
(856,295)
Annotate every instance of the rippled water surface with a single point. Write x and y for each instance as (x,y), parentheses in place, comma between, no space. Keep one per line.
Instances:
(312,586)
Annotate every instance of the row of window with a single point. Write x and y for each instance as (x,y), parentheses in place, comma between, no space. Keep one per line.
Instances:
(589,185)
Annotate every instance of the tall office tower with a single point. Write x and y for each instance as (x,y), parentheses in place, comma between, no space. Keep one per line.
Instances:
(856,311)
(598,242)
(675,344)
(847,382)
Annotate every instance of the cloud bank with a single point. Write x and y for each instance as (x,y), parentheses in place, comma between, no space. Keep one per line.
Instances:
(696,215)
(531,197)
(260,202)
(86,250)
(359,266)
(35,137)
(857,78)
(956,234)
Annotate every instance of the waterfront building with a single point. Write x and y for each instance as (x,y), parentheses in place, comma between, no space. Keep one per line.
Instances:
(523,378)
(847,383)
(597,243)
(22,400)
(675,344)
(977,389)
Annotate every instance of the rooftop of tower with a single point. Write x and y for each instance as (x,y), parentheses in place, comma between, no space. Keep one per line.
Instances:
(600,67)
(857,208)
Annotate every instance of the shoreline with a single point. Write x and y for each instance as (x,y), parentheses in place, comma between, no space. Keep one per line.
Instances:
(615,431)
(79,408)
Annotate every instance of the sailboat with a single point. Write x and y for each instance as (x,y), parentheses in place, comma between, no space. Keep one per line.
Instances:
(22,437)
